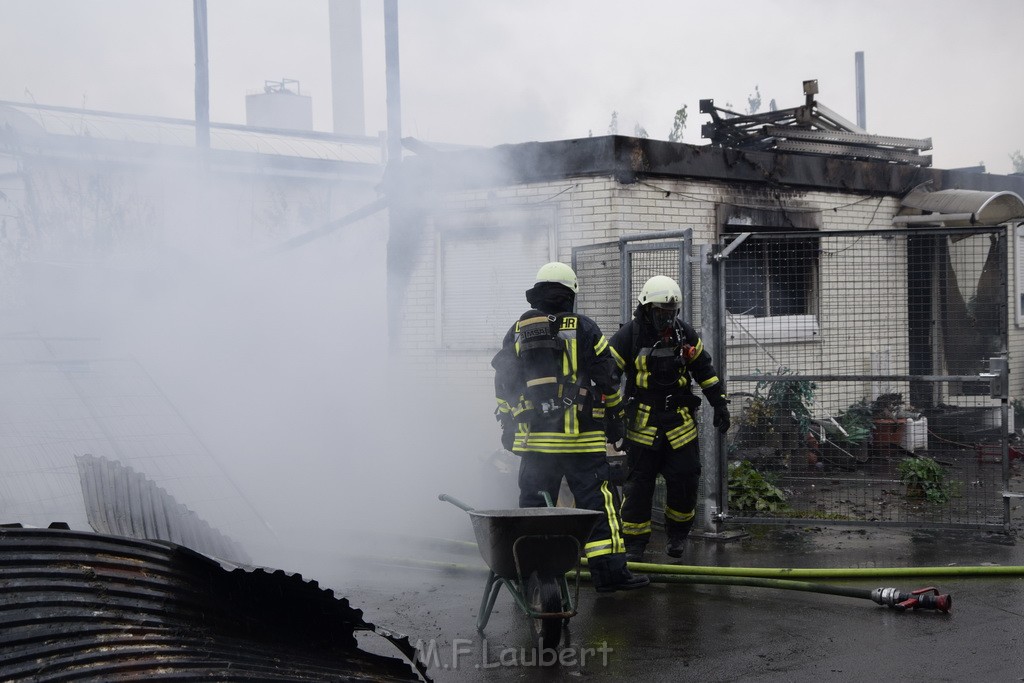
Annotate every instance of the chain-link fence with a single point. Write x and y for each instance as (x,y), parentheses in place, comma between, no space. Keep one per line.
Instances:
(867,369)
(867,373)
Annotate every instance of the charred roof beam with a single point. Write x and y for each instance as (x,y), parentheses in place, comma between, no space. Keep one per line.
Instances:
(860,152)
(811,128)
(843,137)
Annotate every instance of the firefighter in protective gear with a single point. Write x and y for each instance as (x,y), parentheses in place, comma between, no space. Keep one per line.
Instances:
(661,356)
(554,380)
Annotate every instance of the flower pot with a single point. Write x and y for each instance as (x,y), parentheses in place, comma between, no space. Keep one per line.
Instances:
(915,490)
(889,431)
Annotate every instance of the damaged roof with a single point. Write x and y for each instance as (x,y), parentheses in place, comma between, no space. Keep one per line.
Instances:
(630,159)
(811,128)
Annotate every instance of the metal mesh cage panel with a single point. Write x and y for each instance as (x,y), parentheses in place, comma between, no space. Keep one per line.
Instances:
(647,259)
(599,271)
(854,365)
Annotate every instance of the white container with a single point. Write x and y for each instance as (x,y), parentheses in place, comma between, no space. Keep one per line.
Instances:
(993,417)
(915,437)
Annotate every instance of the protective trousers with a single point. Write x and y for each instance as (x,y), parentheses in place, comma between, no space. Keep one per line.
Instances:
(587,476)
(681,470)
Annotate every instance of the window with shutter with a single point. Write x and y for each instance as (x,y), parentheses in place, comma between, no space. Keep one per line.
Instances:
(485,267)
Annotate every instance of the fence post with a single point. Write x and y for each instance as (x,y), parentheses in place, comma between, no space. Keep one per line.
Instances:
(712,444)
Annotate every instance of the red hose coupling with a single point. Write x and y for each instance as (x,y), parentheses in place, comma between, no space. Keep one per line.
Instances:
(926,598)
(922,598)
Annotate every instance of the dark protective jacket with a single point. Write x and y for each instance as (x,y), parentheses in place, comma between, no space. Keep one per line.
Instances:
(587,372)
(659,372)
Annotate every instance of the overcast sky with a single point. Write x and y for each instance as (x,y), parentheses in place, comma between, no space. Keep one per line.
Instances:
(495,72)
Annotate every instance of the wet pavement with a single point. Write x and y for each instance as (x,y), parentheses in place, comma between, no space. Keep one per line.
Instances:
(720,633)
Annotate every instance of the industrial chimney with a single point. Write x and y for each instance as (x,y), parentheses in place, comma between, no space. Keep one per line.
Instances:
(862,117)
(346,27)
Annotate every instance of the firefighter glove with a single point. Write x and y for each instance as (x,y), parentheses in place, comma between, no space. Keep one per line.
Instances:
(508,429)
(615,429)
(721,420)
(508,436)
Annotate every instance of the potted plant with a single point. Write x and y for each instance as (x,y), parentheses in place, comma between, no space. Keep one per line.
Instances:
(889,427)
(776,419)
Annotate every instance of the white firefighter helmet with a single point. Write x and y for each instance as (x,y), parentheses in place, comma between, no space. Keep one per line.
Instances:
(556,271)
(661,291)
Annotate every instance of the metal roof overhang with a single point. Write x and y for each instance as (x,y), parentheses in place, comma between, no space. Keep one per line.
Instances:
(959,208)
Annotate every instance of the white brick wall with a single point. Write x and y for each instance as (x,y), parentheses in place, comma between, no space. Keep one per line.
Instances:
(595,210)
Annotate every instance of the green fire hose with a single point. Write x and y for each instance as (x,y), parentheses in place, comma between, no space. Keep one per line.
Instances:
(831,573)
(783,578)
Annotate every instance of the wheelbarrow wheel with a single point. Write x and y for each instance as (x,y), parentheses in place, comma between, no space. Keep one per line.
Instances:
(544,595)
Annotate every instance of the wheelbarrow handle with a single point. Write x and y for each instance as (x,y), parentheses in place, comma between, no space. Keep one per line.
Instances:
(455,501)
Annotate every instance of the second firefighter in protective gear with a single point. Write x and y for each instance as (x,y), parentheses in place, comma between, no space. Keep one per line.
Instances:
(554,379)
(661,356)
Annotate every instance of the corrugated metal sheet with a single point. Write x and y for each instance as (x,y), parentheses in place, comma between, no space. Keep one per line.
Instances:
(60,402)
(987,208)
(84,606)
(122,502)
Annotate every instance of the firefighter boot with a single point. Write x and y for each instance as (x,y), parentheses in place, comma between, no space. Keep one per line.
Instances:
(635,549)
(609,574)
(677,533)
(675,546)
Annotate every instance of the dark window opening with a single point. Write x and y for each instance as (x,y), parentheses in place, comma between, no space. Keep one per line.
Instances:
(772,277)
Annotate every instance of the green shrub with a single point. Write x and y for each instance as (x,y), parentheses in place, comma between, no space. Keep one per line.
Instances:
(788,399)
(751,491)
(925,477)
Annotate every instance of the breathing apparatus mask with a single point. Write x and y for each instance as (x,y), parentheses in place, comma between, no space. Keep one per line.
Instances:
(662,316)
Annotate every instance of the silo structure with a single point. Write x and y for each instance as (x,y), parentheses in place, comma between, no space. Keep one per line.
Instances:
(280,105)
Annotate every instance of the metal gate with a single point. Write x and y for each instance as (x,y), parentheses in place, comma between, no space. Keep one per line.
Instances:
(611,274)
(868,376)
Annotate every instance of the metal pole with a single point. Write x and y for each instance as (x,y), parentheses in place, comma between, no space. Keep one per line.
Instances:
(625,266)
(685,278)
(861,110)
(399,218)
(714,475)
(202,75)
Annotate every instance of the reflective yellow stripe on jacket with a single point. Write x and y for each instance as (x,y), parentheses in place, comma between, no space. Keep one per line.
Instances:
(559,442)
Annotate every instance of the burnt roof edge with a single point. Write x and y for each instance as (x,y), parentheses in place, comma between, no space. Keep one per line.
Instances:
(627,158)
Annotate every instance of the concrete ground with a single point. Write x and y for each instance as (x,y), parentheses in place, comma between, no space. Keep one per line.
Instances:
(720,633)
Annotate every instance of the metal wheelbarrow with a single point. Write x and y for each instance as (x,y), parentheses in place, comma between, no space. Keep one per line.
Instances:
(530,551)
